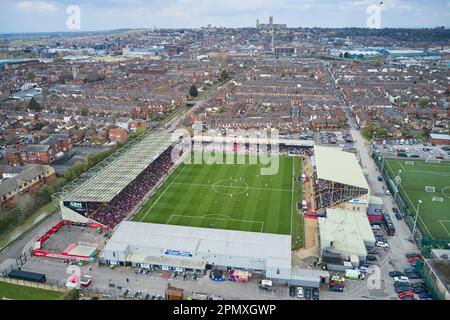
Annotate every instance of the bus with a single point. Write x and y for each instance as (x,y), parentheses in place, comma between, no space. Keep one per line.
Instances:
(28,276)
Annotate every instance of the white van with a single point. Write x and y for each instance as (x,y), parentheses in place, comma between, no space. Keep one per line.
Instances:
(300,293)
(304,205)
(265,284)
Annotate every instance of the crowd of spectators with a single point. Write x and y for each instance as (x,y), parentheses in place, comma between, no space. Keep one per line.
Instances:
(115,211)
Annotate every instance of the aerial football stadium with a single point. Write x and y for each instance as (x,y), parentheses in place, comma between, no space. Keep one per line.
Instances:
(178,216)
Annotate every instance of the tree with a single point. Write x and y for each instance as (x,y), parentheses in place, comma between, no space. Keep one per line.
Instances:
(34,105)
(423,103)
(30,76)
(193,92)
(84,111)
(347,55)
(223,75)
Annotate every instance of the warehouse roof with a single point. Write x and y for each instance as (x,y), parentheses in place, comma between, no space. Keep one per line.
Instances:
(438,136)
(345,231)
(202,241)
(111,180)
(339,166)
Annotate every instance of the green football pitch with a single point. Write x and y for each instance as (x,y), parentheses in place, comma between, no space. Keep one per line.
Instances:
(229,196)
(434,216)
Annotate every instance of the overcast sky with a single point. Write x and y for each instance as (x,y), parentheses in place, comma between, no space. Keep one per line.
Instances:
(45,16)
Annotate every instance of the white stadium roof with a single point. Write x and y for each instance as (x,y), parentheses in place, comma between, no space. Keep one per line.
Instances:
(112,179)
(271,247)
(339,166)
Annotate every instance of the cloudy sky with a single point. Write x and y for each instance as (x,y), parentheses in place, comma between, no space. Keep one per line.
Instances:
(52,15)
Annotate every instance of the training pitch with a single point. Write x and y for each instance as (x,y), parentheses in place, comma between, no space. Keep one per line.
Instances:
(434,216)
(229,196)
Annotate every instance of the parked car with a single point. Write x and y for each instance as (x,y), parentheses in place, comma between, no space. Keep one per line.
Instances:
(380,178)
(424,295)
(394,210)
(402,289)
(372,251)
(398,216)
(382,244)
(371,258)
(300,294)
(413,259)
(307,293)
(401,295)
(292,291)
(396,274)
(401,279)
(412,255)
(315,294)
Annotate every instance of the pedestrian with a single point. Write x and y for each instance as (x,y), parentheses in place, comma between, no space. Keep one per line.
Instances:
(128,280)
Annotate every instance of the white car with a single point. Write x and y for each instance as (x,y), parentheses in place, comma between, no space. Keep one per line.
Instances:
(300,293)
(382,244)
(363,269)
(401,279)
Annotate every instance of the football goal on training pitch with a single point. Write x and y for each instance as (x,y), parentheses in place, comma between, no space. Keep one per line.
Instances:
(433,160)
(409,162)
(437,199)
(430,189)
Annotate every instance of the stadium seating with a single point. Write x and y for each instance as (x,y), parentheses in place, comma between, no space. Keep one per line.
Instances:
(116,210)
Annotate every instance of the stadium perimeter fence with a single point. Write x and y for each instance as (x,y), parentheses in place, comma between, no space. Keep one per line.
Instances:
(427,279)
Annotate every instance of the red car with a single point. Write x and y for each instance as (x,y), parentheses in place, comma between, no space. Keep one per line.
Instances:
(401,295)
(413,259)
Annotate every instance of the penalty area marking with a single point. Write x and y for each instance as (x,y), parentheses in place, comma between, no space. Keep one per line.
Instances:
(443,225)
(218,215)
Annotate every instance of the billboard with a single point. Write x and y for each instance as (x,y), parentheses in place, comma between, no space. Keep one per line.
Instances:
(178,253)
(78,207)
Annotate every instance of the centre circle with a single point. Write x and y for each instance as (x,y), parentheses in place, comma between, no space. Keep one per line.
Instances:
(446,192)
(230,187)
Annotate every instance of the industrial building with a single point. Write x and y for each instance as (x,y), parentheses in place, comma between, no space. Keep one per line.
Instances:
(180,248)
(346,232)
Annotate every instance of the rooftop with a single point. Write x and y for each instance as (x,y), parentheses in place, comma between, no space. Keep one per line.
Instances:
(104,185)
(339,166)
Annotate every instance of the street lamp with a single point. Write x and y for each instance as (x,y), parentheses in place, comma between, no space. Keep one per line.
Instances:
(415,220)
(397,180)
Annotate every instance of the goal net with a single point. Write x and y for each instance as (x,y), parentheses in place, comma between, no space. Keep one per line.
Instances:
(430,189)
(433,160)
(409,162)
(438,199)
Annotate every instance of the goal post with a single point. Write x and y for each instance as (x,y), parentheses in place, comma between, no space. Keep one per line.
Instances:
(438,199)
(409,162)
(433,160)
(430,189)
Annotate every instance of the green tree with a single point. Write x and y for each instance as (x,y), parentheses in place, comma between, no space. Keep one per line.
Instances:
(347,55)
(223,75)
(30,75)
(84,111)
(34,105)
(193,92)
(423,103)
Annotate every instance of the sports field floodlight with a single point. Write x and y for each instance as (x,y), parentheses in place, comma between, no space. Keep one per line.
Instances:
(415,220)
